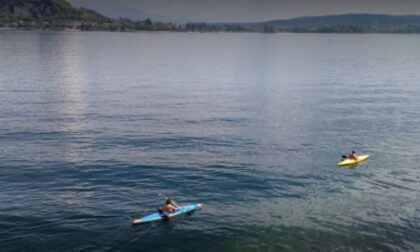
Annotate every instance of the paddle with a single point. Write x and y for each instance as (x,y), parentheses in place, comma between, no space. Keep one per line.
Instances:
(162,196)
(173,202)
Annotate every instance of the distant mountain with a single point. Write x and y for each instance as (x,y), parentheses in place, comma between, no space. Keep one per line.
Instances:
(45,10)
(348,19)
(120,9)
(346,23)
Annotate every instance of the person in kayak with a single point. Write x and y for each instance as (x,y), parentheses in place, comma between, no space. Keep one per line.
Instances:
(353,155)
(169,207)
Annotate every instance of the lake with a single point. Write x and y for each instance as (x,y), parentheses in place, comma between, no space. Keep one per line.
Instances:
(94,125)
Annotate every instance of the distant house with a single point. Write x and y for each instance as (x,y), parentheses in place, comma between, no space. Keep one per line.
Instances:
(75,25)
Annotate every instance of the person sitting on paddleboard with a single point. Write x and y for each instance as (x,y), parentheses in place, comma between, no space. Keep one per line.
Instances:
(169,207)
(353,155)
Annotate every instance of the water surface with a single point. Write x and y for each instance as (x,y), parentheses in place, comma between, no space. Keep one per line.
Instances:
(94,125)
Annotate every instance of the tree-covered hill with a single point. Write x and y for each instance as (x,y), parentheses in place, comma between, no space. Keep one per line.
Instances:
(45,10)
(60,15)
(349,19)
(346,23)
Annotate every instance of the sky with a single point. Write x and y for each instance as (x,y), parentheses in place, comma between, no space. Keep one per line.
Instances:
(243,10)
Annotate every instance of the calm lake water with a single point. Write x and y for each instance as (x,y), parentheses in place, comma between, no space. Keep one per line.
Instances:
(94,125)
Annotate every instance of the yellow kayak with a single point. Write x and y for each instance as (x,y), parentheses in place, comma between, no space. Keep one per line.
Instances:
(347,161)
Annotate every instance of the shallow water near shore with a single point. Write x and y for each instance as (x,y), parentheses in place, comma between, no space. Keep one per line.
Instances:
(94,125)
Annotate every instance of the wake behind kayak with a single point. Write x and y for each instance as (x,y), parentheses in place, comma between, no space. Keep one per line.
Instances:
(160,216)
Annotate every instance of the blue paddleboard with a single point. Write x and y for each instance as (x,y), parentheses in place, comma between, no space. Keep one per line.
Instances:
(160,217)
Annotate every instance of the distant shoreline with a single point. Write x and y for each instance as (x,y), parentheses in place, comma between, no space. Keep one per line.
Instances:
(127,25)
(59,15)
(298,31)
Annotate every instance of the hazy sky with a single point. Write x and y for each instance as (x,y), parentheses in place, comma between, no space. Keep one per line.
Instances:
(244,10)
